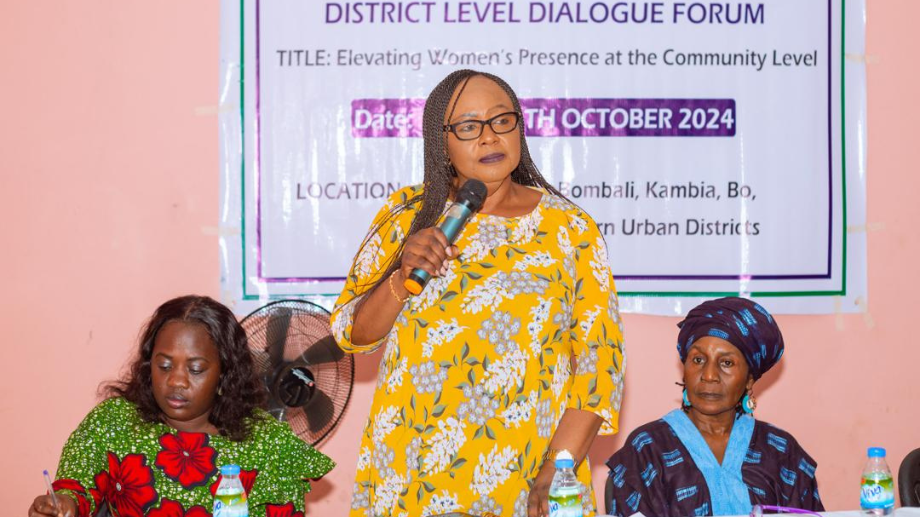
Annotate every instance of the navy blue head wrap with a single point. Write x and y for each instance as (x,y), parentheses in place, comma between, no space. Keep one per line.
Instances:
(742,323)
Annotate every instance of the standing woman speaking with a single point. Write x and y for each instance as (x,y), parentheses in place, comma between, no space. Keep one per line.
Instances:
(512,352)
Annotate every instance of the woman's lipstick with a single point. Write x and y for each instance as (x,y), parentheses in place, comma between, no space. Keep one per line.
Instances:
(492,158)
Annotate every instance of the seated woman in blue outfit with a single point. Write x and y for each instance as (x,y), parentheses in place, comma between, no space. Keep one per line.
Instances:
(711,457)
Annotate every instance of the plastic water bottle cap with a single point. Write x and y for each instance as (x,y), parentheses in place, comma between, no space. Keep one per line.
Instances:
(230,470)
(876,452)
(564,460)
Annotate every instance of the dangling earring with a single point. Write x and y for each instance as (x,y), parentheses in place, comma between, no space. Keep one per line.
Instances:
(748,403)
(220,391)
(686,400)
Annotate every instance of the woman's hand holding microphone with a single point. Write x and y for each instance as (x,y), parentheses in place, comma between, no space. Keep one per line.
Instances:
(428,250)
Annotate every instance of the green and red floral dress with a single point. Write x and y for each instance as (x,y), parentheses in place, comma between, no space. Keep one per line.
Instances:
(143,469)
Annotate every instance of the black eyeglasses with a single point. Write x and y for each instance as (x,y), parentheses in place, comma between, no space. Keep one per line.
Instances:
(472,129)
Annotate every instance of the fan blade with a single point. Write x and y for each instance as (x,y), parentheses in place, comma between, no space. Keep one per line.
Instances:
(276,335)
(319,411)
(323,351)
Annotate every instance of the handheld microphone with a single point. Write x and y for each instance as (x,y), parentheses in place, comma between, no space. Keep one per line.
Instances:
(469,199)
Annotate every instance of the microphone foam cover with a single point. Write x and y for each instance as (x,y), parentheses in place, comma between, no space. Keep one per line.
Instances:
(473,192)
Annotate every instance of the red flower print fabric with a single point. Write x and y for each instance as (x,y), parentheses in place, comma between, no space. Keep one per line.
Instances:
(197,511)
(171,508)
(187,458)
(78,491)
(133,468)
(277,510)
(128,485)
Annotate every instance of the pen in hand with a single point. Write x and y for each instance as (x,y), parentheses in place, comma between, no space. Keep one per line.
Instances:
(54,500)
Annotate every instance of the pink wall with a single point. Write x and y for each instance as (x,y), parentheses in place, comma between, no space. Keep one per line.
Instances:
(110,197)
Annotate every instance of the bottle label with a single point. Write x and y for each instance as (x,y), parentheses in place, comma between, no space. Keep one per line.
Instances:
(877,493)
(565,506)
(230,505)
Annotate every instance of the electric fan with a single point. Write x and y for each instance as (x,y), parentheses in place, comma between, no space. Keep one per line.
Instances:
(307,376)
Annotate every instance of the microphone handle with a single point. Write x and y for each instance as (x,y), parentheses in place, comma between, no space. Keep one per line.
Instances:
(457,216)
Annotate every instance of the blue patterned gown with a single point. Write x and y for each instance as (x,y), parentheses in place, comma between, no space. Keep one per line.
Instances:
(665,468)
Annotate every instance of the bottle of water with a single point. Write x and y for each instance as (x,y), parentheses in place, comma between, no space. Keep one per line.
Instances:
(877,496)
(230,500)
(565,490)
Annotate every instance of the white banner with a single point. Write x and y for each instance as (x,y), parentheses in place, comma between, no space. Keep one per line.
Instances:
(720,146)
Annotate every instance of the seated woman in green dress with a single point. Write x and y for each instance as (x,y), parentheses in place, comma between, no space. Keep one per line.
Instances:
(189,404)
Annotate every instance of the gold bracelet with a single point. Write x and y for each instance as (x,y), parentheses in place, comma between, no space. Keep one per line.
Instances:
(549,455)
(393,290)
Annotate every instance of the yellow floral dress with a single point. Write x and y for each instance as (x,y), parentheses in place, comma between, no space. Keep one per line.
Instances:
(478,368)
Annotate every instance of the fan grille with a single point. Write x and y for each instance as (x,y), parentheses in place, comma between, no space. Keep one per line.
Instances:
(295,335)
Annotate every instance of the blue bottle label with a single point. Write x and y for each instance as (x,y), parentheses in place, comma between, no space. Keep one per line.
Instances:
(565,505)
(877,493)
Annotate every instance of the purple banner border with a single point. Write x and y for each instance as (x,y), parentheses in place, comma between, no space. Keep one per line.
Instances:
(288,280)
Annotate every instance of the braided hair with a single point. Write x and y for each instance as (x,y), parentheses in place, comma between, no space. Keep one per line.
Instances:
(439,172)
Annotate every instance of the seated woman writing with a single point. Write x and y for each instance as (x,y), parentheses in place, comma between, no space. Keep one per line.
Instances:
(189,404)
(711,457)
